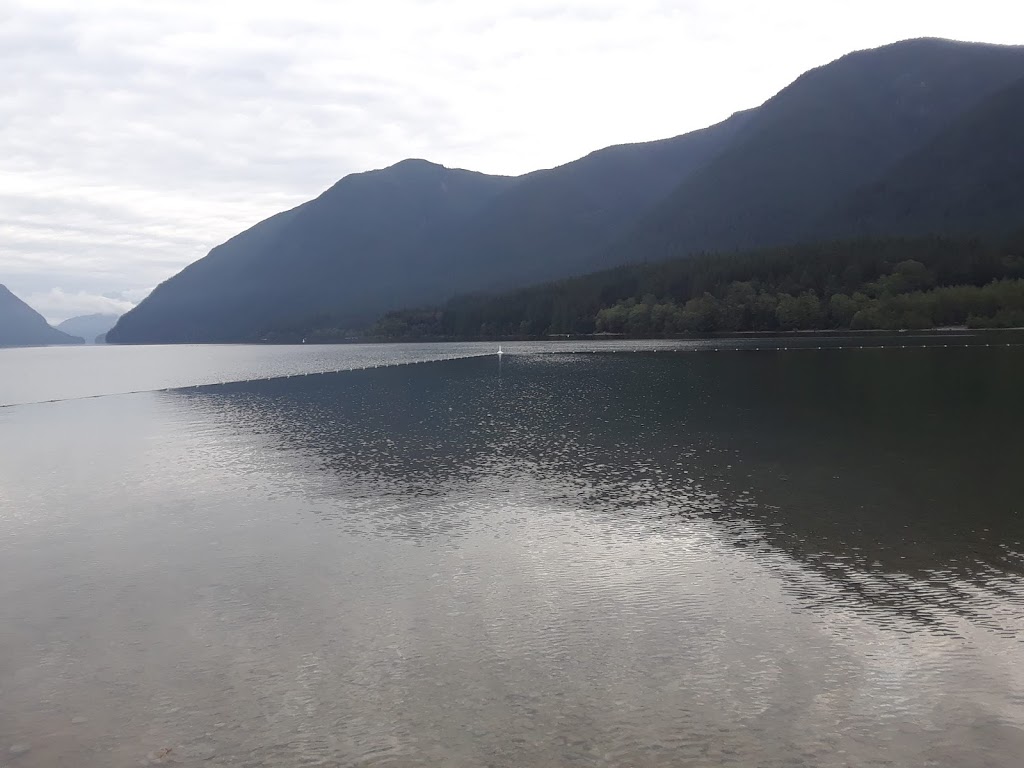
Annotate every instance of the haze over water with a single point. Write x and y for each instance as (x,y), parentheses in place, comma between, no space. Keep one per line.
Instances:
(780,558)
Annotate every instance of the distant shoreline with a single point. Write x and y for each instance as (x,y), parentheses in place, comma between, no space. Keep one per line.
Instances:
(825,332)
(952,331)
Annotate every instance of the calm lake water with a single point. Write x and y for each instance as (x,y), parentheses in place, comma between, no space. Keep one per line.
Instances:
(760,558)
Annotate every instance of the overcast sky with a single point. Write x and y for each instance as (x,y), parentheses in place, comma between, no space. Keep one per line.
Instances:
(137,134)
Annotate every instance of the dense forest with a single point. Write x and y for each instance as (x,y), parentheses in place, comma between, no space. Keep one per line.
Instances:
(890,283)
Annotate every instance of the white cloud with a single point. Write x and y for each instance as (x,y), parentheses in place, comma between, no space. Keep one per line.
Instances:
(136,136)
(57,305)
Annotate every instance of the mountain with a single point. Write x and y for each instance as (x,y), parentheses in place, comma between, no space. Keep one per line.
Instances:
(414,233)
(364,243)
(819,141)
(553,222)
(968,179)
(804,166)
(89,327)
(22,326)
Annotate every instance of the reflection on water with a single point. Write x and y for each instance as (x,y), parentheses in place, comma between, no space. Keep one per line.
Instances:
(771,559)
(850,462)
(50,374)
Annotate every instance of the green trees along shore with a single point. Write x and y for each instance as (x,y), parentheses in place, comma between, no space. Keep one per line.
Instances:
(889,283)
(999,304)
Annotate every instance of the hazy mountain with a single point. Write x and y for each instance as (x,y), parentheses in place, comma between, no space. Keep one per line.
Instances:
(806,165)
(89,327)
(833,131)
(22,326)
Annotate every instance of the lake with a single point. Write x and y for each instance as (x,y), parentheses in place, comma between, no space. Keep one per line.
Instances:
(587,553)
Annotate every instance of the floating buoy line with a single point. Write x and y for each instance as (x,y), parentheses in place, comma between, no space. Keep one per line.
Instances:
(500,353)
(768,348)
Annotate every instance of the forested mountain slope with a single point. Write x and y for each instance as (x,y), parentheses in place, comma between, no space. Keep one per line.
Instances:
(835,130)
(363,244)
(968,180)
(415,232)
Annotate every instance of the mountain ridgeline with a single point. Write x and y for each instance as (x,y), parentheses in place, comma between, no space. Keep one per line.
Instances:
(412,233)
(915,138)
(22,326)
(92,328)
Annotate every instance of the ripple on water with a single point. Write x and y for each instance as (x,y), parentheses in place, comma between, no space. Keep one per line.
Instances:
(603,560)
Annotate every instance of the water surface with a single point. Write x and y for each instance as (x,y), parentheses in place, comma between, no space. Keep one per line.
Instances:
(771,558)
(46,374)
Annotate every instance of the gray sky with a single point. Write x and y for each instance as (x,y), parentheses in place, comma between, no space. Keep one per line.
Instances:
(137,134)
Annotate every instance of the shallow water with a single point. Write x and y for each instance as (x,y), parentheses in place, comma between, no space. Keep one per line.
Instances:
(792,558)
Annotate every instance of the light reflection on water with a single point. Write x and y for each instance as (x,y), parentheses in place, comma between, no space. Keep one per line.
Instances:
(50,374)
(605,560)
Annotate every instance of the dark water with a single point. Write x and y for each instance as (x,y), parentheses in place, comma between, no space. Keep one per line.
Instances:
(46,374)
(793,558)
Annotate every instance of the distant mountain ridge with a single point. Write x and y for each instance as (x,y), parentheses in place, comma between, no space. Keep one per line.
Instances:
(848,148)
(90,327)
(22,326)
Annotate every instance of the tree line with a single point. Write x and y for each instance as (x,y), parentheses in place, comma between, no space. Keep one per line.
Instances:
(883,283)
